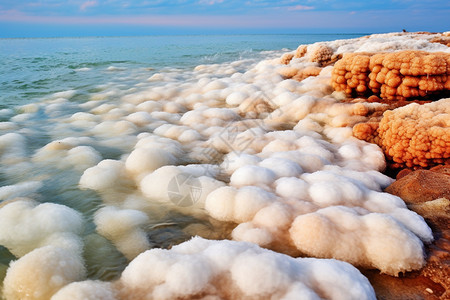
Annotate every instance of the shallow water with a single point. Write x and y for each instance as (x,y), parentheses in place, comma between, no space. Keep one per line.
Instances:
(45,82)
(34,68)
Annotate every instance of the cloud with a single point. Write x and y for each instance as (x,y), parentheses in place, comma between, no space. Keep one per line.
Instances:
(384,20)
(88,4)
(300,7)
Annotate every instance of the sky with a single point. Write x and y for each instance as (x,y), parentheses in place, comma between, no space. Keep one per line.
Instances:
(55,18)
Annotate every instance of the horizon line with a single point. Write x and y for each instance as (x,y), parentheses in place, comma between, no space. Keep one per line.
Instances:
(188,34)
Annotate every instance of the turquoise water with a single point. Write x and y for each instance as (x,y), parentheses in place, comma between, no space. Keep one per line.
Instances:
(45,84)
(30,69)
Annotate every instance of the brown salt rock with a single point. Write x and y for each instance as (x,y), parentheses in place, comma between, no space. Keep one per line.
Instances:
(421,186)
(445,169)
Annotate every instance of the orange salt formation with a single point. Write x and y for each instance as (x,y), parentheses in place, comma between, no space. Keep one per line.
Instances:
(393,76)
(413,135)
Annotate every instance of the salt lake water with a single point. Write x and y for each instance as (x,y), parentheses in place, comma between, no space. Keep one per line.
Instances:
(33,68)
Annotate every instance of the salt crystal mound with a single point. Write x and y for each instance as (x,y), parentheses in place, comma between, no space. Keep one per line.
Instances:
(124,228)
(42,272)
(26,225)
(376,64)
(394,76)
(412,136)
(287,171)
(228,270)
(65,154)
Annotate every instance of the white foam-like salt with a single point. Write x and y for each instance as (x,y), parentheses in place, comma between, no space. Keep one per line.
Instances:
(290,178)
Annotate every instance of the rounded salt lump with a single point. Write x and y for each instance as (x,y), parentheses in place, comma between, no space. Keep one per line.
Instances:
(123,227)
(103,176)
(42,272)
(343,233)
(201,267)
(252,175)
(146,160)
(26,225)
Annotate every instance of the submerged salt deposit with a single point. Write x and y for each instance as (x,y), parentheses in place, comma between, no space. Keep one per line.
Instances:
(222,151)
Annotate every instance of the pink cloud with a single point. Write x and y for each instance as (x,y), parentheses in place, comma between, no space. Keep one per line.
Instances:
(88,4)
(300,7)
(313,19)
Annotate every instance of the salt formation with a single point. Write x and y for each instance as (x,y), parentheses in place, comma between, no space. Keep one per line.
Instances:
(26,225)
(124,229)
(42,272)
(46,239)
(309,208)
(412,136)
(254,156)
(318,55)
(107,175)
(228,270)
(398,75)
(305,140)
(67,154)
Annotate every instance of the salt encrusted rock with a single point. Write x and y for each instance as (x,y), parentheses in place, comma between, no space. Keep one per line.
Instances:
(445,169)
(301,51)
(394,76)
(421,186)
(412,136)
(320,53)
(286,58)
